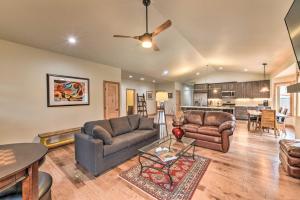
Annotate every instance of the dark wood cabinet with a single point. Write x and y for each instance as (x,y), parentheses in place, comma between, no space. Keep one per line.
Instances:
(251,89)
(230,86)
(200,88)
(215,91)
(240,90)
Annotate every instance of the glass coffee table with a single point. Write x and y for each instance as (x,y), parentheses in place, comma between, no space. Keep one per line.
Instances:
(166,152)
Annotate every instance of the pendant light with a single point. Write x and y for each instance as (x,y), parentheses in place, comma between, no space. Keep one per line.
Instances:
(264,88)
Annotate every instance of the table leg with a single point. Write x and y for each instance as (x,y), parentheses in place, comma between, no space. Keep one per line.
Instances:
(248,122)
(141,164)
(170,177)
(30,188)
(194,151)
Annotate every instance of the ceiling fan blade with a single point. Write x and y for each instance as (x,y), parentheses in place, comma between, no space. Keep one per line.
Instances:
(162,27)
(154,46)
(125,36)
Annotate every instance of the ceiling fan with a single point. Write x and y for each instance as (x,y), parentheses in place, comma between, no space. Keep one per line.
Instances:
(147,38)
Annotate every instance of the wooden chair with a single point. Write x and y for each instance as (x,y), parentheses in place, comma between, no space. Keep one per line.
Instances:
(268,121)
(281,122)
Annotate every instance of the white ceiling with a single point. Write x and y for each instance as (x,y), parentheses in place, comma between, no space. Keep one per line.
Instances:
(235,34)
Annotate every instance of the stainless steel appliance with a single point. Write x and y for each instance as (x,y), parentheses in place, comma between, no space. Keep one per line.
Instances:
(228,94)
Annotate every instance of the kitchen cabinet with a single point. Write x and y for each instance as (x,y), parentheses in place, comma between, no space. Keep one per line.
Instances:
(215,91)
(240,90)
(200,88)
(249,89)
(228,86)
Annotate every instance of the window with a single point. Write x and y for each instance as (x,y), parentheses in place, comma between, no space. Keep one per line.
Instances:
(284,98)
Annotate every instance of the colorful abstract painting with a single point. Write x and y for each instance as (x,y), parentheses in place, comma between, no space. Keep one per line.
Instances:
(67,90)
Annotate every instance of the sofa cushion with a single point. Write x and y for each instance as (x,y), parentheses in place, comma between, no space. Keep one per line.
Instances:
(191,127)
(215,118)
(100,133)
(292,147)
(194,117)
(120,126)
(119,143)
(146,123)
(209,130)
(126,140)
(134,121)
(89,126)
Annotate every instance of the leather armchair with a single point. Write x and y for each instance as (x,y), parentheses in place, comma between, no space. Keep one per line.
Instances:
(211,130)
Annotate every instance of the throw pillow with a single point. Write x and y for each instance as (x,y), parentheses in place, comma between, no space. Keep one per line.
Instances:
(134,121)
(120,126)
(146,123)
(102,134)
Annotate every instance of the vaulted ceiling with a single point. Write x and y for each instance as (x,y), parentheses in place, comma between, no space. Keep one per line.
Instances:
(232,34)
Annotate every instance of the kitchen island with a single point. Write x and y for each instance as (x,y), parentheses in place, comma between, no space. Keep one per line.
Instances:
(210,108)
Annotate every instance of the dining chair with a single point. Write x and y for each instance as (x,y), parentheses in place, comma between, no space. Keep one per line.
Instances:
(285,111)
(268,121)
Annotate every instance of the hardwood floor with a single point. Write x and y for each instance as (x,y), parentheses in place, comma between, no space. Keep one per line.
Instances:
(250,170)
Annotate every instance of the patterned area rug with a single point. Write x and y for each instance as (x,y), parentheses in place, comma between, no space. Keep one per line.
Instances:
(186,174)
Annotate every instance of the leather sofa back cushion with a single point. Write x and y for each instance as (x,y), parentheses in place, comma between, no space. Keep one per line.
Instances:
(217,118)
(120,126)
(89,126)
(134,121)
(194,117)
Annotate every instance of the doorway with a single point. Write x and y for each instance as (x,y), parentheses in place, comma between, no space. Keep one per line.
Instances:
(178,101)
(130,101)
(111,99)
(284,99)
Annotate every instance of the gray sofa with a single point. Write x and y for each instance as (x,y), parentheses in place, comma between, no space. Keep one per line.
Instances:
(97,157)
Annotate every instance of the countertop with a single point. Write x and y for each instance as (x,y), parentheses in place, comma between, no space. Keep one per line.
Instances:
(210,107)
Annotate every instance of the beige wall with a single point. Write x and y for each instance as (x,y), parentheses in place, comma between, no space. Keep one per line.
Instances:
(140,87)
(23,101)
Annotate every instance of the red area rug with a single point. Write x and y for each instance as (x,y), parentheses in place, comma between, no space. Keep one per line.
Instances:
(186,174)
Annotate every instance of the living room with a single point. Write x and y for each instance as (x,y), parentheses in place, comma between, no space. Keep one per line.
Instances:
(131,100)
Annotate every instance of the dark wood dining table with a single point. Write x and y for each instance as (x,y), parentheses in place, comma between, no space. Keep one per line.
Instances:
(20,163)
(256,113)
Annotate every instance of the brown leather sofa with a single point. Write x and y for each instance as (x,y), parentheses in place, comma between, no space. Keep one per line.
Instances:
(212,130)
(290,157)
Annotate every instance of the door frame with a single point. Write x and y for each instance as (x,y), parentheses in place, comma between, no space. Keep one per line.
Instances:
(104,97)
(275,96)
(133,100)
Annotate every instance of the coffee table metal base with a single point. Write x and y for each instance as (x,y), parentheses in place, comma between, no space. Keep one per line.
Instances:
(166,165)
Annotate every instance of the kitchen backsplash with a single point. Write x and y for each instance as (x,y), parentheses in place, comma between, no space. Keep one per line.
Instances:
(239,102)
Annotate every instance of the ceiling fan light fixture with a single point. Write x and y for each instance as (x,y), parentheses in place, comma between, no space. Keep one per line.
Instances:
(147,44)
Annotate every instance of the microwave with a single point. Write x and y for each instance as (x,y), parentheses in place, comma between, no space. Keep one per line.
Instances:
(227,94)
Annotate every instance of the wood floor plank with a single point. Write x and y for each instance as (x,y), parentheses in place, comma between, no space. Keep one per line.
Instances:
(250,170)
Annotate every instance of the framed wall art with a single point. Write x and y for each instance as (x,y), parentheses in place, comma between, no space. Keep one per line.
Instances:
(149,95)
(67,91)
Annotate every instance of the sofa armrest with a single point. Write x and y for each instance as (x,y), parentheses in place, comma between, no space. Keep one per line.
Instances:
(89,152)
(228,125)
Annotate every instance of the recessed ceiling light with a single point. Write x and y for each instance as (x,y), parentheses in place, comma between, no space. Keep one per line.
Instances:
(165,72)
(153,81)
(142,78)
(130,76)
(220,68)
(246,70)
(72,40)
(198,73)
